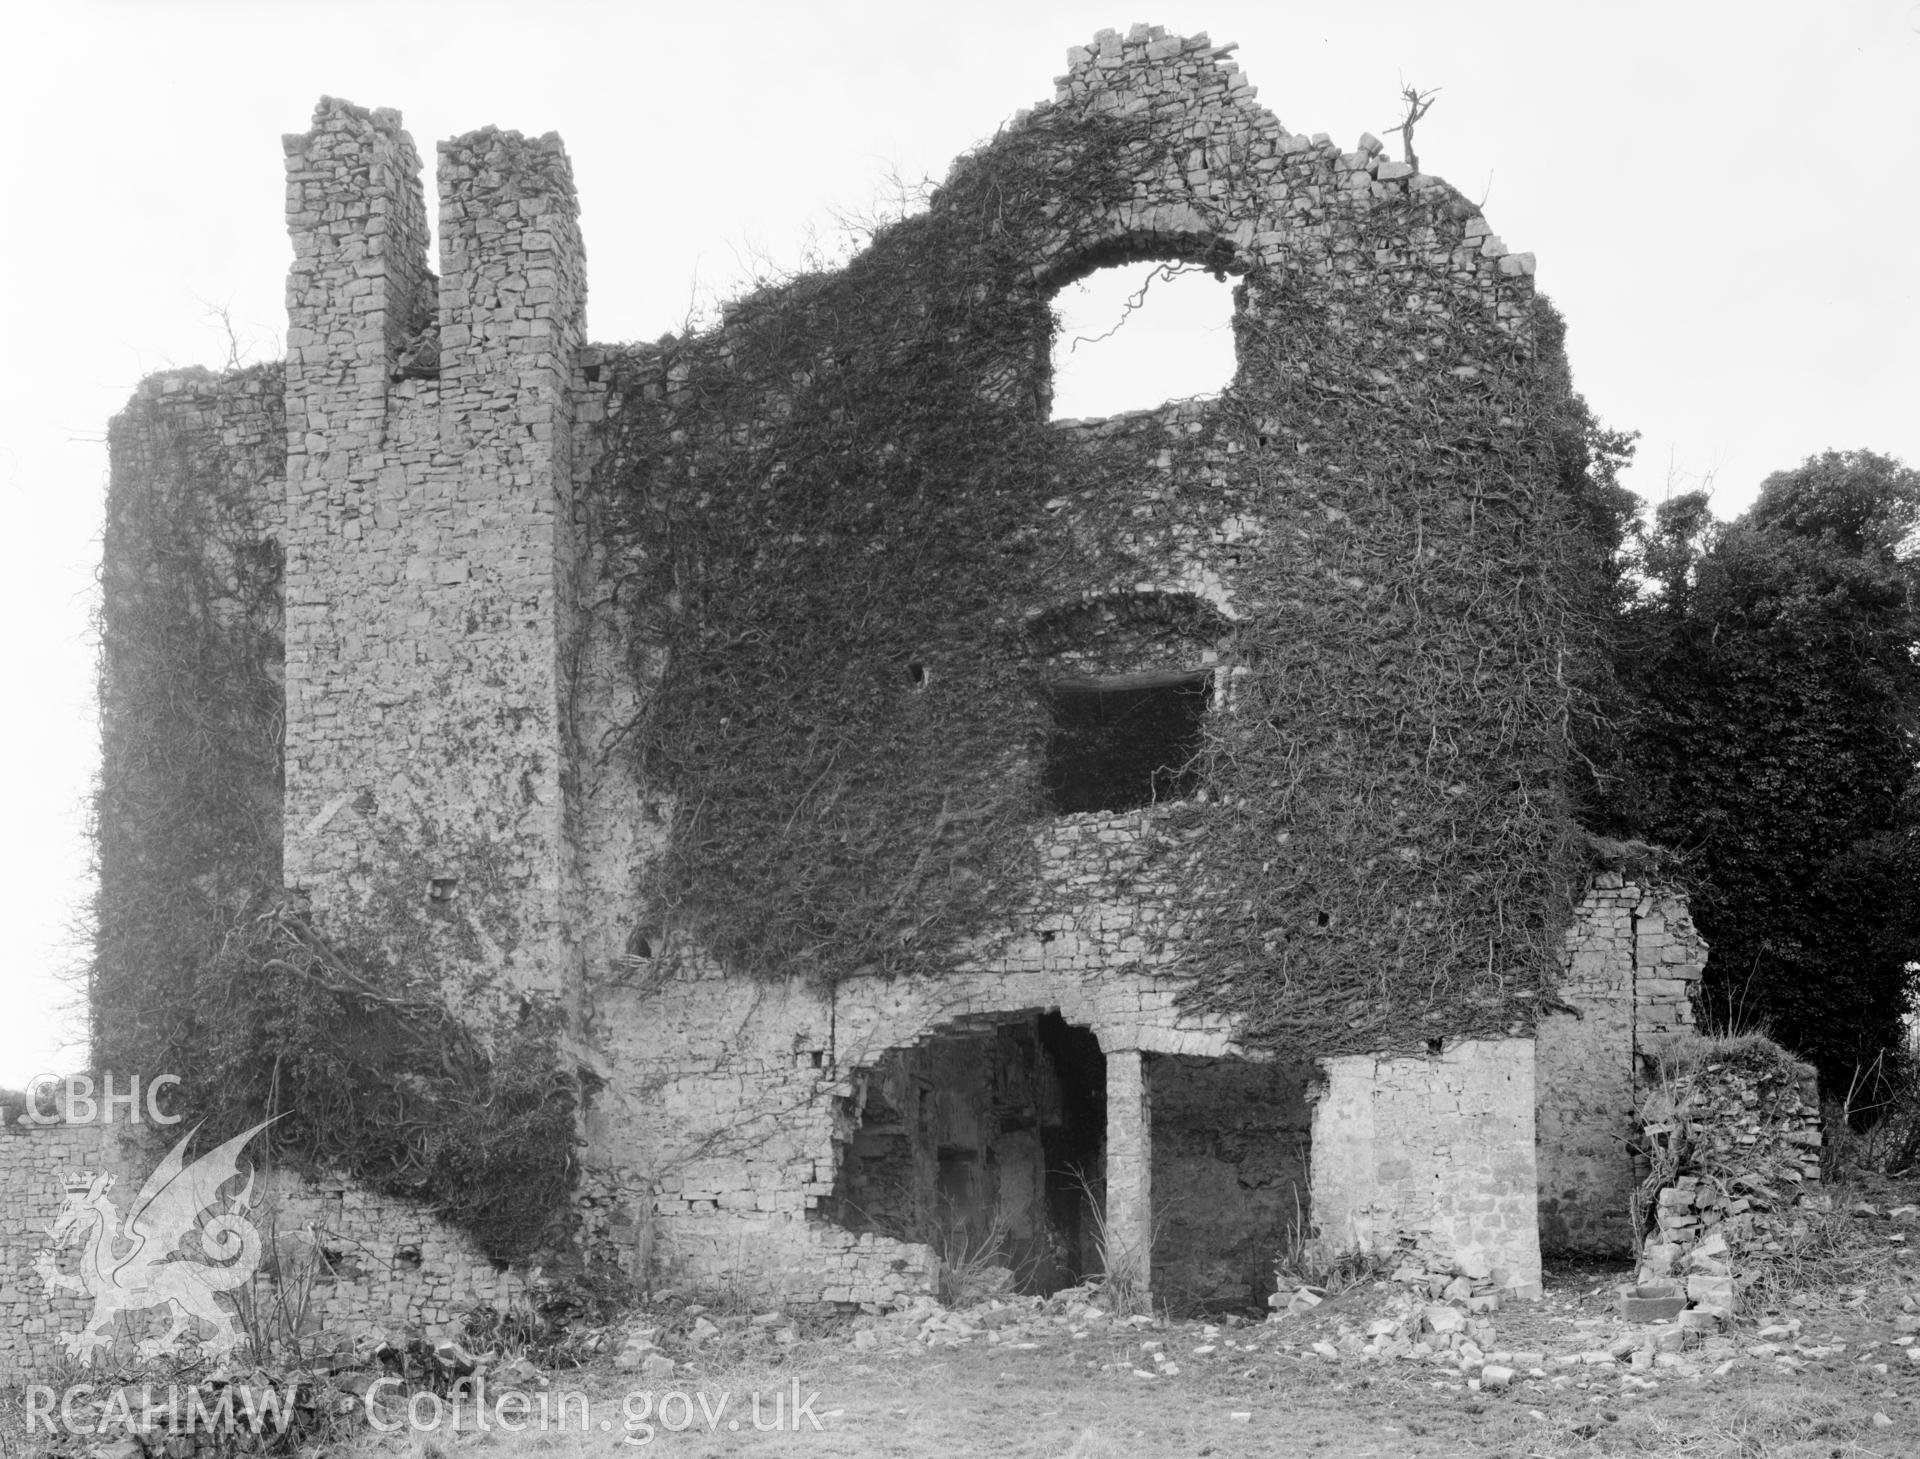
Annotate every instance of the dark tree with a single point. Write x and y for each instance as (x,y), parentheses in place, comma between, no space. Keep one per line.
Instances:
(1773,693)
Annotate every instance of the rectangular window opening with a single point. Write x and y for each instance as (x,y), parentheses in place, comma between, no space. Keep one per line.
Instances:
(1126,740)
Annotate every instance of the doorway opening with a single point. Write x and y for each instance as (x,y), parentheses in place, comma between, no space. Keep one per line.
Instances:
(986,1141)
(1231,1146)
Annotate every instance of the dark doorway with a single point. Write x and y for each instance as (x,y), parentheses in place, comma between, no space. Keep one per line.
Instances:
(1231,1145)
(983,1140)
(1075,1149)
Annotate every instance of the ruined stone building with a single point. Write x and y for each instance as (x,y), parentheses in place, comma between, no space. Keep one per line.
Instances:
(1139,845)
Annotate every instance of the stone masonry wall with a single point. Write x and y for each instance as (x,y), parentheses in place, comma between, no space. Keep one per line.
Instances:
(429,557)
(1239,187)
(739,1106)
(729,1100)
(724,1105)
(383,1266)
(1633,960)
(1186,82)
(1432,1155)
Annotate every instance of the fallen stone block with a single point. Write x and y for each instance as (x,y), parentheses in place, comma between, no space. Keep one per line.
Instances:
(1652,1302)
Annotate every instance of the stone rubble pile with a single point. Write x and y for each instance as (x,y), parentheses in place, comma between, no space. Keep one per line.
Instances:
(1014,1321)
(1428,1311)
(1439,1310)
(1743,1138)
(1471,1280)
(1441,1319)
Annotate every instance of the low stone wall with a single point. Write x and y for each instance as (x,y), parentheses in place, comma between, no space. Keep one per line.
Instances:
(379,1265)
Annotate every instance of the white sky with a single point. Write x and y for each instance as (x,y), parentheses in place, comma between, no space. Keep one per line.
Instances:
(1723,198)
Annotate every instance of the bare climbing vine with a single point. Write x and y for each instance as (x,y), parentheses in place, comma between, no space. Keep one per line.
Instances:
(852,479)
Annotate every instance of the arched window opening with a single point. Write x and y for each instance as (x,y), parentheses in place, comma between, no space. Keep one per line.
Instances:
(1136,335)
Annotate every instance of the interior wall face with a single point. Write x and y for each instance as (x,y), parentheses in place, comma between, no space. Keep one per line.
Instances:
(977,1142)
(946,1147)
(1231,1146)
(1633,962)
(1584,1062)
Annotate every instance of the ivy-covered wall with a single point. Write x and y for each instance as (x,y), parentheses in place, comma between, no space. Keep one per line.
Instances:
(672,730)
(188,813)
(849,550)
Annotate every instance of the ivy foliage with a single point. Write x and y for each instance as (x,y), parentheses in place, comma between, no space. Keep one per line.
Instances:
(836,514)
(199,968)
(831,494)
(1774,698)
(386,1082)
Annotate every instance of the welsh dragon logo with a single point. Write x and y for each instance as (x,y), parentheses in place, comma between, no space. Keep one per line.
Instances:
(134,1263)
